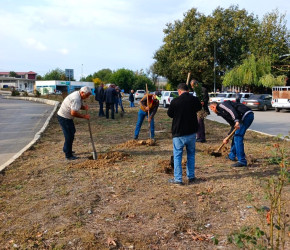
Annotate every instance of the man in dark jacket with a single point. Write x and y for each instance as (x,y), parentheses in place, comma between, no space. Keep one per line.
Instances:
(238,116)
(131,98)
(109,98)
(99,96)
(183,110)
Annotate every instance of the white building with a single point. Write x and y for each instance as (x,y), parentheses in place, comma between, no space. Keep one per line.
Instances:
(46,87)
(22,80)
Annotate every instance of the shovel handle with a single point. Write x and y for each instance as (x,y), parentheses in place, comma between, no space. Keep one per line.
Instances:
(227,138)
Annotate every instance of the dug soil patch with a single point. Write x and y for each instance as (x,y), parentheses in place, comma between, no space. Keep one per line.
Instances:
(123,199)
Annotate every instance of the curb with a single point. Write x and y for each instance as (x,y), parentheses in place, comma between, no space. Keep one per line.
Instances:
(38,134)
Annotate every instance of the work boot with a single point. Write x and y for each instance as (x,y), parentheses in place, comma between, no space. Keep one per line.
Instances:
(191,181)
(238,165)
(172,181)
(228,158)
(72,158)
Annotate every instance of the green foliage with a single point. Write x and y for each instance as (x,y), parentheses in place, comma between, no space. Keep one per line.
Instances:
(56,74)
(25,93)
(247,237)
(124,78)
(88,78)
(169,87)
(232,35)
(15,92)
(270,81)
(37,93)
(277,217)
(104,75)
(248,73)
(141,81)
(12,74)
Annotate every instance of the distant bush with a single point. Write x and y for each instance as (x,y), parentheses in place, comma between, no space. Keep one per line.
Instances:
(15,92)
(37,93)
(25,93)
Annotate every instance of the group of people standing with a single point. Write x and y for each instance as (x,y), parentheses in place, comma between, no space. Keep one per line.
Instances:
(187,121)
(112,97)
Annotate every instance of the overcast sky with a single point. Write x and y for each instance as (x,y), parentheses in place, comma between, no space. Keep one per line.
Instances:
(89,35)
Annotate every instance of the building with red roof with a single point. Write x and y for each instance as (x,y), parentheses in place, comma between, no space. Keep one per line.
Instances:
(19,80)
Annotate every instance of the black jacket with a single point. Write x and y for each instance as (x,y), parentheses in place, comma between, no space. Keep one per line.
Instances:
(232,112)
(110,95)
(131,97)
(99,94)
(183,110)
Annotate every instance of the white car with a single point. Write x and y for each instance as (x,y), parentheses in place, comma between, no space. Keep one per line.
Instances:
(220,97)
(139,94)
(243,97)
(167,97)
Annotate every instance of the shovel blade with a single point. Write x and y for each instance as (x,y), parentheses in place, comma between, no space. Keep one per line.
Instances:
(216,154)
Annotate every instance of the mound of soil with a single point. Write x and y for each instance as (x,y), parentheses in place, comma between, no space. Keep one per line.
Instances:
(104,160)
(136,143)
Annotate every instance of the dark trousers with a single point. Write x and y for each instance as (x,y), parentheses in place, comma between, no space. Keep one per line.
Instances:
(200,135)
(101,111)
(68,129)
(110,106)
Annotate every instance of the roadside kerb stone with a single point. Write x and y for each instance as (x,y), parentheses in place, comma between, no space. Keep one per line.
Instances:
(39,133)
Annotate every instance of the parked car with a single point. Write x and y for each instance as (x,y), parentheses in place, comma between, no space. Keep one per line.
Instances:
(211,95)
(139,94)
(243,97)
(260,102)
(221,96)
(167,97)
(56,92)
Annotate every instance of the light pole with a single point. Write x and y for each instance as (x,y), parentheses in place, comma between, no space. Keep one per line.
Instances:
(214,64)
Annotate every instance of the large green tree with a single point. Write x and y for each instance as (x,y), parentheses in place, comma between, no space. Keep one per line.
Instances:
(141,81)
(104,75)
(56,74)
(200,43)
(124,78)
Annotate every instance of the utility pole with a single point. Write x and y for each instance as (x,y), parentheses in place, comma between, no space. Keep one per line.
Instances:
(214,64)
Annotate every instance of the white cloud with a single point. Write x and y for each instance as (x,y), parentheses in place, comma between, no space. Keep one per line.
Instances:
(63,51)
(31,42)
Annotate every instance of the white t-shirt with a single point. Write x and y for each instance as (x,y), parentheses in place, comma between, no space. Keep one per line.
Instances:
(72,102)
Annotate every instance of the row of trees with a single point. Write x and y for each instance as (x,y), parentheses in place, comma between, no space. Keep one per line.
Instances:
(220,43)
(124,78)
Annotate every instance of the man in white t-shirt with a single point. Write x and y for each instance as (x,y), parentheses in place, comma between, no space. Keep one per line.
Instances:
(68,110)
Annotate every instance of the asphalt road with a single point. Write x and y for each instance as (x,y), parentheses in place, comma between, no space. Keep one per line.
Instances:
(268,122)
(19,122)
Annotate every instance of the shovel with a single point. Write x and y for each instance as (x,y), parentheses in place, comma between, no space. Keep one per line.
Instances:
(217,153)
(91,136)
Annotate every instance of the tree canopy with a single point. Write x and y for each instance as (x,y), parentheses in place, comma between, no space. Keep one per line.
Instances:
(200,43)
(56,74)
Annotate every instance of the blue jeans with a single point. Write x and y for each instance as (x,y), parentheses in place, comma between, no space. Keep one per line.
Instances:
(116,105)
(121,104)
(68,129)
(237,148)
(178,145)
(132,104)
(141,116)
(101,111)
